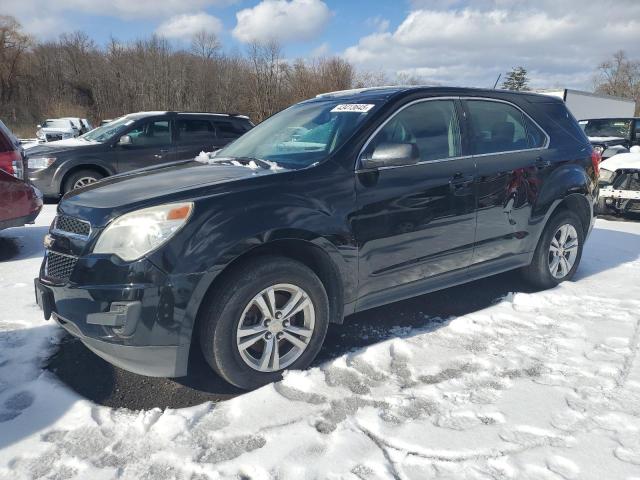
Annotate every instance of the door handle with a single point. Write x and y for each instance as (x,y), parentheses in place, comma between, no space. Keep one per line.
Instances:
(459,179)
(542,163)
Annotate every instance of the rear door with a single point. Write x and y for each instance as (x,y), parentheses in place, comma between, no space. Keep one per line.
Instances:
(512,159)
(416,221)
(151,144)
(195,135)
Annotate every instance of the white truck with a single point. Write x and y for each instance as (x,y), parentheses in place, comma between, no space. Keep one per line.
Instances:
(585,105)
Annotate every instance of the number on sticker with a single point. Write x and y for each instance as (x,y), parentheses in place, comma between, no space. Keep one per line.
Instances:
(353,107)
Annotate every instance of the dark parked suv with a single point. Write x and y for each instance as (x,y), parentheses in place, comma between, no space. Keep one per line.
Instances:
(134,141)
(335,205)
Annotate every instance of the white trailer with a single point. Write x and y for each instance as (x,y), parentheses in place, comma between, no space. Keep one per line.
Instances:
(585,105)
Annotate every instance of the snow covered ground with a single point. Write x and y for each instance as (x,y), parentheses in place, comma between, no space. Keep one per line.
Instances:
(538,386)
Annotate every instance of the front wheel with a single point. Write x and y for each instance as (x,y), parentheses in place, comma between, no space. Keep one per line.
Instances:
(80,179)
(558,253)
(270,315)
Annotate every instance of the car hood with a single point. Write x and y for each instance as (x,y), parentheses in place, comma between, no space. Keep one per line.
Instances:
(113,196)
(621,161)
(56,130)
(61,146)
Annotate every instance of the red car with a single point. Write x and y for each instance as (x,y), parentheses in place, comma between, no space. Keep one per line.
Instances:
(20,203)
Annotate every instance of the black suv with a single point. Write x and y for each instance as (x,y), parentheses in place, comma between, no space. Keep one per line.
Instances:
(335,205)
(137,140)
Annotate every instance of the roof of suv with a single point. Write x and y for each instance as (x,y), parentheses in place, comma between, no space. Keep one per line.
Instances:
(139,115)
(385,92)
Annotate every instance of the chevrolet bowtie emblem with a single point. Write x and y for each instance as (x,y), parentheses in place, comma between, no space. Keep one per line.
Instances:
(48,241)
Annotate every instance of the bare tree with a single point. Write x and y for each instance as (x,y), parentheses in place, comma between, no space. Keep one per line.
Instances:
(72,76)
(619,76)
(205,45)
(13,45)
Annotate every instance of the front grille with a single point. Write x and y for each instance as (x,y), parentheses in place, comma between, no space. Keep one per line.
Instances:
(63,223)
(59,267)
(52,137)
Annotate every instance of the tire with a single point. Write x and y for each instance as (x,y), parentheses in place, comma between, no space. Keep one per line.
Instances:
(233,306)
(539,272)
(601,207)
(89,176)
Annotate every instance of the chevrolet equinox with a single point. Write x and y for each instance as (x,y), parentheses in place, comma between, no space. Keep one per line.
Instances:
(335,205)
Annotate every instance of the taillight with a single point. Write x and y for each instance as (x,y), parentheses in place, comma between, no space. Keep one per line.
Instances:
(11,162)
(596,158)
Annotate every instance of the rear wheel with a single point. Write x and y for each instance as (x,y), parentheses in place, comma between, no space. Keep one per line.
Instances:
(80,179)
(271,315)
(558,253)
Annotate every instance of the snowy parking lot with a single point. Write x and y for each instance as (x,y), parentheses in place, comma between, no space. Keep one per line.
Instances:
(537,386)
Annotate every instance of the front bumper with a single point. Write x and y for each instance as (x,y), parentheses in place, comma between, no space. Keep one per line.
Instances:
(132,315)
(151,361)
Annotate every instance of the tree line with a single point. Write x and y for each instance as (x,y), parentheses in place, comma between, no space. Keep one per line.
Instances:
(72,76)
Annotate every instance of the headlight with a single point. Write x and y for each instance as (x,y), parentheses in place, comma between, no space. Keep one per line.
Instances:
(38,163)
(135,234)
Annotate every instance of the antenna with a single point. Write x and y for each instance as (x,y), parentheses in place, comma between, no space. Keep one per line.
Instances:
(497,80)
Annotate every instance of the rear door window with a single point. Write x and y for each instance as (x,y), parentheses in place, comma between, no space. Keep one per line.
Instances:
(229,129)
(195,130)
(499,127)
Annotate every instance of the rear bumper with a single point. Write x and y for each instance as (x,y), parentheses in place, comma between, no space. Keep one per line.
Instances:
(20,221)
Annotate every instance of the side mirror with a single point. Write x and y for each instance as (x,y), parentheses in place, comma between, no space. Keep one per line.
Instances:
(391,155)
(635,149)
(125,140)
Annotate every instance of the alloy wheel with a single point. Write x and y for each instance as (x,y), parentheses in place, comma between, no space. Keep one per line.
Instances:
(563,251)
(275,328)
(83,182)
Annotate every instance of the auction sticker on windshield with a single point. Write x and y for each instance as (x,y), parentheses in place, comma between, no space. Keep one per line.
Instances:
(353,107)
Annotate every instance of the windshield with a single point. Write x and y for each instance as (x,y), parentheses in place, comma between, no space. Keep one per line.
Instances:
(57,124)
(302,134)
(108,131)
(606,128)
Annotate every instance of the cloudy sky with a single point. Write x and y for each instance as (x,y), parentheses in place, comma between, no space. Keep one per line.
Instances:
(454,42)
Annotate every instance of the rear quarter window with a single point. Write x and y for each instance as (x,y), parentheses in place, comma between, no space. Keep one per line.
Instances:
(562,118)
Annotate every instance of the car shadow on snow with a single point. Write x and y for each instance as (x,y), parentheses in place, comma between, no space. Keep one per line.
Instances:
(105,384)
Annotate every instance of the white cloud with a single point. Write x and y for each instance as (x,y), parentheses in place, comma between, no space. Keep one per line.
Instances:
(321,50)
(282,20)
(186,25)
(560,42)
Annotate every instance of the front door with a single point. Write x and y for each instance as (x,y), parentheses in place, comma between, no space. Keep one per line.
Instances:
(150,144)
(416,221)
